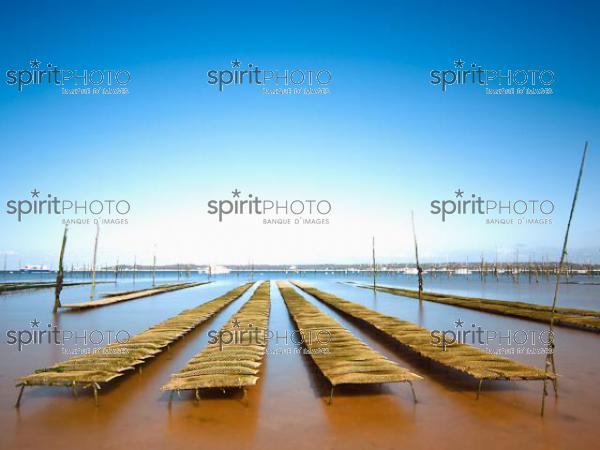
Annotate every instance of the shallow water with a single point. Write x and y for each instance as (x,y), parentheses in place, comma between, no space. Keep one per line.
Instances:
(287,408)
(578,291)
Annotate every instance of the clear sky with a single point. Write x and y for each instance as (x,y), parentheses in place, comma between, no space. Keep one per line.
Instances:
(382,143)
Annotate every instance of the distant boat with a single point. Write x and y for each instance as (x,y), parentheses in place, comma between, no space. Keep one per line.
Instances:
(214,270)
(35,269)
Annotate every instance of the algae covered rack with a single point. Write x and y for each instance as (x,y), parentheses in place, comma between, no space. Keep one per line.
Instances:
(111,299)
(234,359)
(20,286)
(462,357)
(567,317)
(340,356)
(114,360)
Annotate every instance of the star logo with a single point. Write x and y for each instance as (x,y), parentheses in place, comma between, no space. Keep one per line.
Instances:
(35,323)
(35,193)
(235,63)
(459,193)
(236,193)
(35,63)
(236,323)
(459,63)
(459,323)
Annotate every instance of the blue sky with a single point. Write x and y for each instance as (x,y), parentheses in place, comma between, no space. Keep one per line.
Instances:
(383,142)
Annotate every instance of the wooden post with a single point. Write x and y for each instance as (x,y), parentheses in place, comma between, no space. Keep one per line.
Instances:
(412,389)
(60,273)
(479,389)
(245,397)
(419,268)
(496,266)
(549,363)
(19,396)
(518,276)
(481,268)
(94,263)
(374,265)
(154,268)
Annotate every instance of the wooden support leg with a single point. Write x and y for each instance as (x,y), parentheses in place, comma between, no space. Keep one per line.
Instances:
(330,395)
(479,389)
(555,379)
(96,395)
(197,395)
(170,398)
(19,396)
(544,393)
(412,389)
(74,389)
(245,397)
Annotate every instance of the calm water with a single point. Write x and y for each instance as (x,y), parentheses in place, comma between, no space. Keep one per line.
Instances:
(287,408)
(581,291)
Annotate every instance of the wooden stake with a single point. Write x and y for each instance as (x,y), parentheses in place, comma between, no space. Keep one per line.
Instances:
(154,268)
(550,350)
(496,266)
(412,389)
(374,266)
(419,268)
(94,263)
(245,397)
(479,389)
(60,273)
(19,396)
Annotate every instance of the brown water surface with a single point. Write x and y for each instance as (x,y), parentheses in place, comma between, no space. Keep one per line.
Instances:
(287,408)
